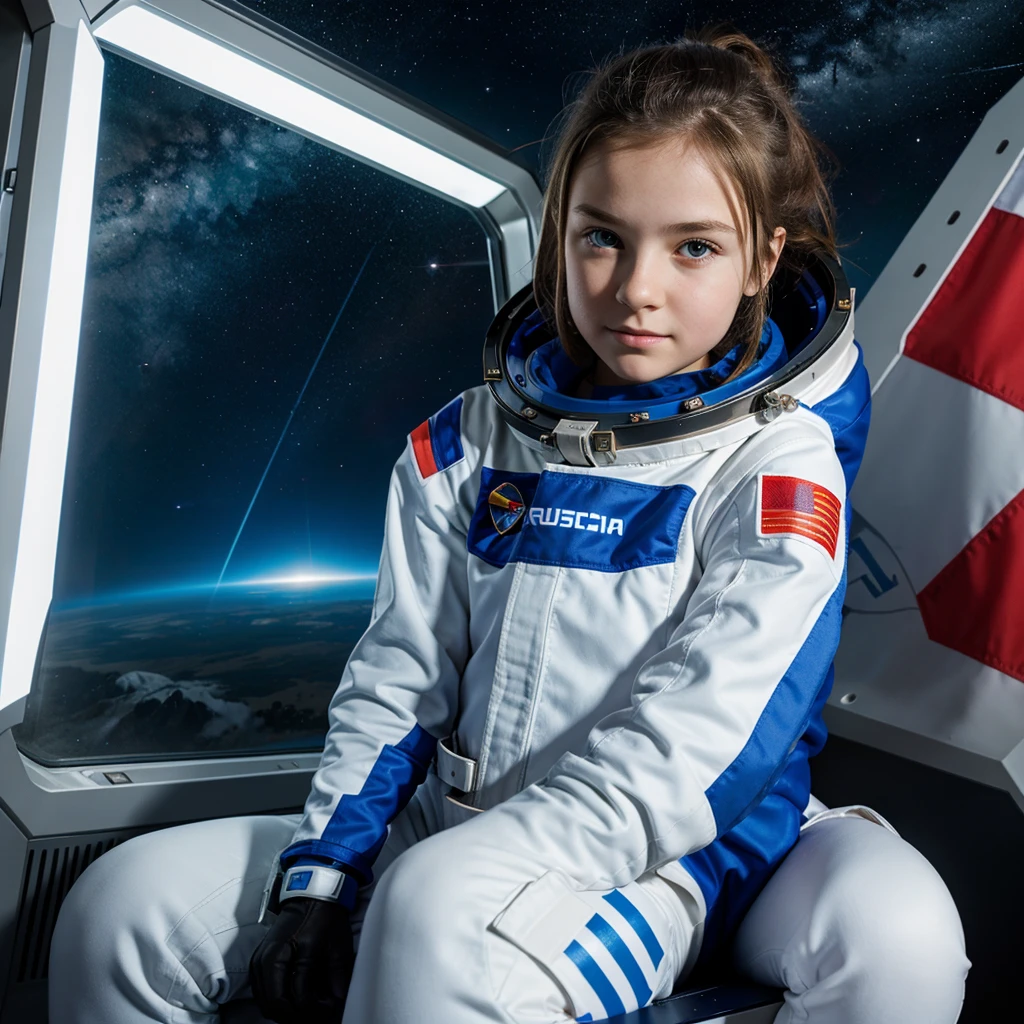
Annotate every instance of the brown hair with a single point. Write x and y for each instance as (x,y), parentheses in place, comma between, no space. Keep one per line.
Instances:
(719,90)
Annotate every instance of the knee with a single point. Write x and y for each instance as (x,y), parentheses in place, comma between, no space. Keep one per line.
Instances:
(888,908)
(100,918)
(421,890)
(883,921)
(443,892)
(132,897)
(107,895)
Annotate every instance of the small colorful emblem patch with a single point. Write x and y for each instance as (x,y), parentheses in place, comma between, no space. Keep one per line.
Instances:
(802,508)
(507,507)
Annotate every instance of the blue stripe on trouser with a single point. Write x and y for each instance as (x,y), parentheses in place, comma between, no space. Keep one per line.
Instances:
(596,978)
(638,923)
(612,941)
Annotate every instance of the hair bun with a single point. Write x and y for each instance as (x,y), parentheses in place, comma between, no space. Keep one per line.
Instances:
(724,36)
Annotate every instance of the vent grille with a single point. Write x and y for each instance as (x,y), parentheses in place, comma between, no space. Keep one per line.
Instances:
(51,869)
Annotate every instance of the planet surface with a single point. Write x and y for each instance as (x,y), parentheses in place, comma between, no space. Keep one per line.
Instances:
(243,670)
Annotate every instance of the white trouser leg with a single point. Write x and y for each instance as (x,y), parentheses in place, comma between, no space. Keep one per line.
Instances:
(859,928)
(161,928)
(447,935)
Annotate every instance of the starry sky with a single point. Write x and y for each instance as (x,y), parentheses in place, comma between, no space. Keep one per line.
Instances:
(894,88)
(235,266)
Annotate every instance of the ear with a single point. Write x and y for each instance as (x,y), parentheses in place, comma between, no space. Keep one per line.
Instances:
(759,277)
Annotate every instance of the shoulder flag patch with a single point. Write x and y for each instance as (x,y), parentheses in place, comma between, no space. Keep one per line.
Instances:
(437,442)
(423,450)
(800,507)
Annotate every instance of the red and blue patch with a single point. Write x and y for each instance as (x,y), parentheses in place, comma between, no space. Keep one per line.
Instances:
(799,508)
(437,442)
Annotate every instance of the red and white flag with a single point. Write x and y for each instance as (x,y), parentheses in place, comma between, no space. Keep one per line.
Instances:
(800,508)
(934,630)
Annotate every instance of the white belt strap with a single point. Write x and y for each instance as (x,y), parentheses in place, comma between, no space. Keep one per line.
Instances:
(459,772)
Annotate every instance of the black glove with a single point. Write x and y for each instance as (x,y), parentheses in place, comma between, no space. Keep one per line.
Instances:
(301,970)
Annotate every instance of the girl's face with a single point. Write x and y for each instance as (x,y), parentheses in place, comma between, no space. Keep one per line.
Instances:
(651,245)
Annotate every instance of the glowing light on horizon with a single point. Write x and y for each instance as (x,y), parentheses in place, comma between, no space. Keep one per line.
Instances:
(297,579)
(302,579)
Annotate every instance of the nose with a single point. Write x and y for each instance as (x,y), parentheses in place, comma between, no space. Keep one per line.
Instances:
(640,280)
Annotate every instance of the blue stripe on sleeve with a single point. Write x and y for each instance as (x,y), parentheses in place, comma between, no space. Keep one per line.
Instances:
(612,941)
(596,979)
(446,434)
(847,411)
(785,718)
(358,827)
(638,923)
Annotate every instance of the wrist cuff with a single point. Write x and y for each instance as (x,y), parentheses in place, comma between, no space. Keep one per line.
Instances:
(319,882)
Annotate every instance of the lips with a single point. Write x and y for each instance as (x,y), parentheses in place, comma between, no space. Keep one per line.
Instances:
(637,331)
(637,340)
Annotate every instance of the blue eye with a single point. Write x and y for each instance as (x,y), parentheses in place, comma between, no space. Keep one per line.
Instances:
(589,235)
(695,249)
(702,249)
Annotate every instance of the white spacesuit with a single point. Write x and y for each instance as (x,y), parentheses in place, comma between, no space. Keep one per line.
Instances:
(611,629)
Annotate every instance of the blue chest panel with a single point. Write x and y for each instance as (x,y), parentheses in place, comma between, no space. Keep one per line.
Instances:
(576,521)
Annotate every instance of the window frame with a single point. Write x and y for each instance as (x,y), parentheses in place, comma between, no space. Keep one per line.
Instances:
(40,315)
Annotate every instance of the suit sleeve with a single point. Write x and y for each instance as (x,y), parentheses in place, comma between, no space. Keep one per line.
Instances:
(399,689)
(716,714)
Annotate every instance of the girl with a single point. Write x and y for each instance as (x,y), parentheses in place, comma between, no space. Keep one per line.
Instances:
(605,618)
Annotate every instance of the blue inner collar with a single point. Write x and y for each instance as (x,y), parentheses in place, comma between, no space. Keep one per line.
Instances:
(552,372)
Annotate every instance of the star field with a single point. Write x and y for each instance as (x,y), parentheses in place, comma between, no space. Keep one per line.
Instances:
(223,248)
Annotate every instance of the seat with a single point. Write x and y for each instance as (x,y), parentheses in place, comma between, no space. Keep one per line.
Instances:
(732,1002)
(728,1003)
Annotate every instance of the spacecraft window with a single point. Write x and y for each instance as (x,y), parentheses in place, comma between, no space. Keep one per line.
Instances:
(265,320)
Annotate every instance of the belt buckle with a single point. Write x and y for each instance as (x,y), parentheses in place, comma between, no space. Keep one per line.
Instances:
(458,803)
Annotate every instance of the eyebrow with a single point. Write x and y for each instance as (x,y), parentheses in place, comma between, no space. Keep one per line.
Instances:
(670,229)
